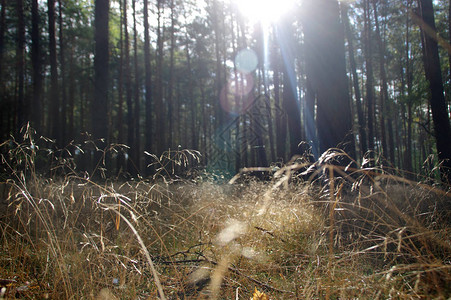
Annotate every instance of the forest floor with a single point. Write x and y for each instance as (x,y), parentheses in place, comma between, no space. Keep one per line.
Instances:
(375,236)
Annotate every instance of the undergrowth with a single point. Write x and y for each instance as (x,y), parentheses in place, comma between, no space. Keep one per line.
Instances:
(312,231)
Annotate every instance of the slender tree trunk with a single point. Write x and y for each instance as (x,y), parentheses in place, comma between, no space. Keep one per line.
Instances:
(224,117)
(355,80)
(128,93)
(409,76)
(64,138)
(36,65)
(449,58)
(99,108)
(54,115)
(382,110)
(204,122)
(369,77)
(82,106)
(99,97)
(2,41)
(310,118)
(7,116)
(281,125)
(120,109)
(170,93)
(289,94)
(72,92)
(311,66)
(269,117)
(182,136)
(268,114)
(192,101)
(437,101)
(136,135)
(385,107)
(22,112)
(218,71)
(237,82)
(148,80)
(160,120)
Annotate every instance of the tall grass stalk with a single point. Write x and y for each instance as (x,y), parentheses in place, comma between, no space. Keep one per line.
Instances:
(146,252)
(308,231)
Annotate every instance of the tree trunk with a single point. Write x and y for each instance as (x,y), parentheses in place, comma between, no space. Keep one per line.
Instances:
(192,102)
(310,118)
(324,39)
(204,122)
(409,76)
(160,120)
(2,39)
(7,116)
(99,104)
(218,76)
(54,115)
(128,93)
(72,92)
(170,93)
(136,134)
(22,112)
(355,80)
(148,81)
(449,58)
(369,78)
(385,107)
(266,92)
(120,109)
(63,113)
(289,93)
(36,65)
(442,128)
(281,122)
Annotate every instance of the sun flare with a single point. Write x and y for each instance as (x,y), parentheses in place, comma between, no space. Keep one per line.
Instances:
(265,11)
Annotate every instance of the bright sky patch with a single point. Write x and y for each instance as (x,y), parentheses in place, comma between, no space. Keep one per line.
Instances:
(265,11)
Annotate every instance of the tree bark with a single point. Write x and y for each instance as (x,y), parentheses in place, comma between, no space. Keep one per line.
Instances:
(128,92)
(148,80)
(369,78)
(159,109)
(71,92)
(385,107)
(2,40)
(120,109)
(355,80)
(218,70)
(261,44)
(54,116)
(324,39)
(449,58)
(36,65)
(22,112)
(191,99)
(442,128)
(289,94)
(170,93)
(99,104)
(64,138)
(281,122)
(136,134)
(409,77)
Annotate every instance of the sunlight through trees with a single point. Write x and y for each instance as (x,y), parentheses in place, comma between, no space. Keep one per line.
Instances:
(245,83)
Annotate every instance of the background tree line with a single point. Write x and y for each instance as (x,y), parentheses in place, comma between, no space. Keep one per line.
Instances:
(370,76)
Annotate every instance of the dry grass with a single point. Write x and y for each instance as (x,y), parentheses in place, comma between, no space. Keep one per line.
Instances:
(361,234)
